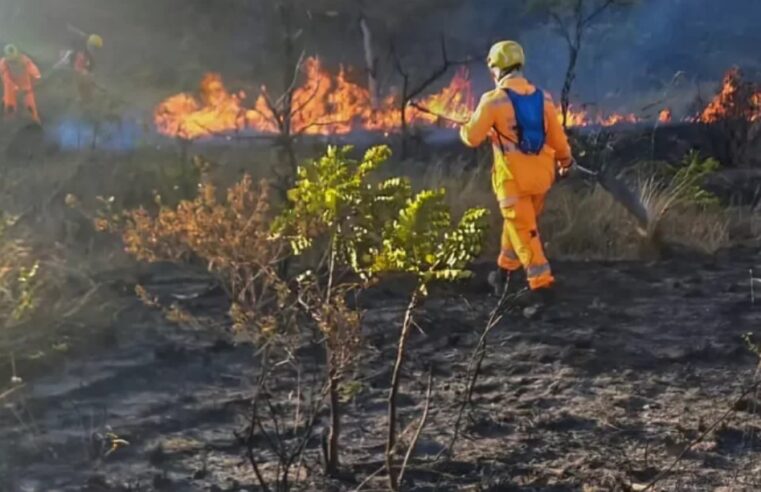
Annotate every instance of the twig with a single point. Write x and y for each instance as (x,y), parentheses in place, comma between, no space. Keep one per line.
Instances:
(369,477)
(423,420)
(252,425)
(292,86)
(394,390)
(9,392)
(474,366)
(82,302)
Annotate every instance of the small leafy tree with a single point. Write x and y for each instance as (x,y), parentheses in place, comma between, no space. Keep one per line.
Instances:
(358,232)
(336,215)
(230,237)
(689,176)
(424,242)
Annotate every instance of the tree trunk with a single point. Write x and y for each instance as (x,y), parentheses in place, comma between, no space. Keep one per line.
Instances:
(570,77)
(394,392)
(403,108)
(285,8)
(371,62)
(331,459)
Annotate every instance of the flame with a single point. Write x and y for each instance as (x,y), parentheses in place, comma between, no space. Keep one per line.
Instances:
(455,102)
(665,116)
(322,105)
(185,117)
(736,99)
(582,118)
(326,104)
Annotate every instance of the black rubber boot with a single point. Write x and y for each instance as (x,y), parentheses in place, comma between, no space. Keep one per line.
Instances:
(538,300)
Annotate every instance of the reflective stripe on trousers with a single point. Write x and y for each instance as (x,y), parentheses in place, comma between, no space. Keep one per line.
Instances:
(510,254)
(538,270)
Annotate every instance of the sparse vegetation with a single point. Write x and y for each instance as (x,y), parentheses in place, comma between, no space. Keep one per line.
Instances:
(345,233)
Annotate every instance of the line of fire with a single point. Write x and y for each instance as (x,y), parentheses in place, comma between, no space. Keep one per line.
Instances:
(327,104)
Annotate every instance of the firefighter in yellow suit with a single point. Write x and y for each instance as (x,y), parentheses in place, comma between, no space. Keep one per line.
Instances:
(520,180)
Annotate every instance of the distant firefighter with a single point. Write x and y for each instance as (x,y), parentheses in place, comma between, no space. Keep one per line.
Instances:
(529,146)
(80,57)
(19,73)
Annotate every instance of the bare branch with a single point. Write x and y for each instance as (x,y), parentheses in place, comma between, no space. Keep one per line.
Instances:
(563,27)
(421,425)
(591,17)
(292,86)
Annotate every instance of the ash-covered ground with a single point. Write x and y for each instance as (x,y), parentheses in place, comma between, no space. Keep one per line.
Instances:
(637,367)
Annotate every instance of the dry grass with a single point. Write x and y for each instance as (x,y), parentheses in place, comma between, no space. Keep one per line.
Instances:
(467,187)
(587,223)
(582,221)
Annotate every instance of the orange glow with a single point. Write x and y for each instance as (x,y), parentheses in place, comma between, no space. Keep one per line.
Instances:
(185,117)
(322,105)
(325,104)
(665,116)
(582,118)
(455,102)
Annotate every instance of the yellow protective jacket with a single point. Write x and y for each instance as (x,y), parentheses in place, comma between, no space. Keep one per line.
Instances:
(495,119)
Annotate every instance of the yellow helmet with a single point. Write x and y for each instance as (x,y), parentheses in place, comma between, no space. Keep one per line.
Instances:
(11,51)
(94,41)
(506,54)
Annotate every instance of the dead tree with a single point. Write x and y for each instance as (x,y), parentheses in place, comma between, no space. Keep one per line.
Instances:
(371,62)
(573,18)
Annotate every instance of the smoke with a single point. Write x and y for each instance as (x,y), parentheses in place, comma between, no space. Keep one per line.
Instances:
(634,53)
(163,46)
(631,54)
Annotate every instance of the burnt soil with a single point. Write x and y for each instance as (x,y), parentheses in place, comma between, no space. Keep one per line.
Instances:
(601,391)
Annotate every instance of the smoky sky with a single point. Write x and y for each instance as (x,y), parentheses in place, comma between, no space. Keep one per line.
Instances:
(640,49)
(170,43)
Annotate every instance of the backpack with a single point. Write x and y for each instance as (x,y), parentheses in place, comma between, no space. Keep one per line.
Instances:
(529,119)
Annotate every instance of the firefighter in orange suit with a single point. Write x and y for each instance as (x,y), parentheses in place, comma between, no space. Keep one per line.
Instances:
(529,146)
(81,58)
(19,73)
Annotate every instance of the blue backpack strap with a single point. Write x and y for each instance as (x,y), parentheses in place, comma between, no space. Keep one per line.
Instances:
(529,120)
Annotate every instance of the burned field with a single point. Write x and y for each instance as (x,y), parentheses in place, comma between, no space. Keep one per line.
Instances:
(279,275)
(626,374)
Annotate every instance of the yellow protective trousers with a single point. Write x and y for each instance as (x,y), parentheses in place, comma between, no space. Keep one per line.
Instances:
(521,245)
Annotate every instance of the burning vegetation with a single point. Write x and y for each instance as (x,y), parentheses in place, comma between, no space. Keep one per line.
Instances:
(737,99)
(322,105)
(326,104)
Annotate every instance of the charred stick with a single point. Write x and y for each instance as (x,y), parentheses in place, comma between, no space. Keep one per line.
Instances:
(421,425)
(474,366)
(422,108)
(394,391)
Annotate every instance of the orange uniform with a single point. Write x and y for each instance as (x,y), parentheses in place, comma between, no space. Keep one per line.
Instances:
(19,75)
(520,181)
(83,65)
